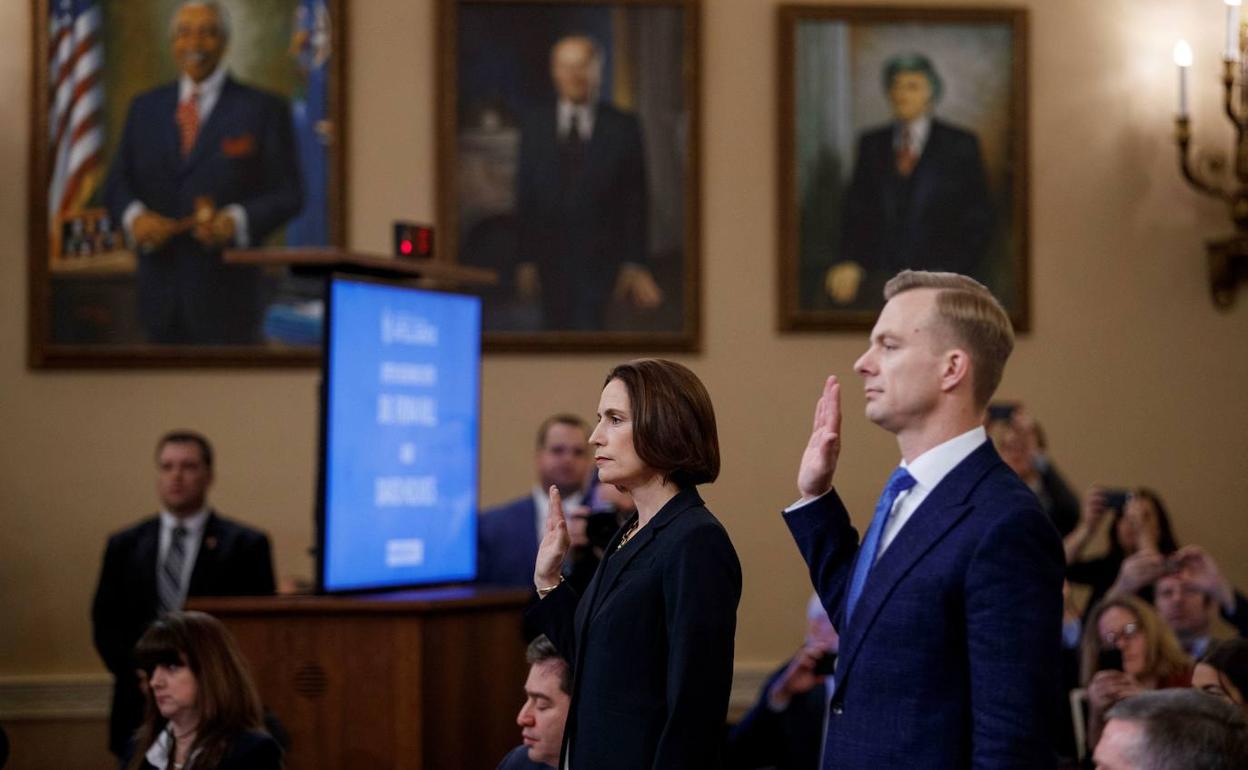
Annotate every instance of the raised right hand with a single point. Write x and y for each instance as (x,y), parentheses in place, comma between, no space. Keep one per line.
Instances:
(554,546)
(814,477)
(1093,508)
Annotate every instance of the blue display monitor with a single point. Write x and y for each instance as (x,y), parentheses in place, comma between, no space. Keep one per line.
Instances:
(399,424)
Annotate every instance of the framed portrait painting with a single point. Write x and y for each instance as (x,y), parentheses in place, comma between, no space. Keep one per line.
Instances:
(903,144)
(163,134)
(568,163)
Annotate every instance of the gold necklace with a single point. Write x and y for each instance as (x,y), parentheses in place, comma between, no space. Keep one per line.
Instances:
(628,535)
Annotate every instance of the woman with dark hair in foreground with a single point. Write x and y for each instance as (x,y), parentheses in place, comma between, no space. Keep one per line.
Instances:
(651,639)
(203,712)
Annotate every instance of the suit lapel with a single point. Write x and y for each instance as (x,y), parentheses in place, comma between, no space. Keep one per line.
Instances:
(210,130)
(923,178)
(940,512)
(147,553)
(206,558)
(614,565)
(169,145)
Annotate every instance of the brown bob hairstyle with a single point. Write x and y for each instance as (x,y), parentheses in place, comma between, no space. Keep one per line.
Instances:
(227,699)
(673,421)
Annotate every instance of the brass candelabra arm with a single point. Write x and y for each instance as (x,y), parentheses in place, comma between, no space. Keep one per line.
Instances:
(1228,95)
(1183,137)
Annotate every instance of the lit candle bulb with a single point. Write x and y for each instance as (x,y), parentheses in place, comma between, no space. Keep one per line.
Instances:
(1232,30)
(1183,58)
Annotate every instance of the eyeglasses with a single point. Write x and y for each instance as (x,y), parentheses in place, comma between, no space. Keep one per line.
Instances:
(1128,632)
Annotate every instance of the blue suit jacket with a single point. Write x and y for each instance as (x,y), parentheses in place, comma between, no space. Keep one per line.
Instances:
(518,759)
(952,658)
(243,154)
(507,544)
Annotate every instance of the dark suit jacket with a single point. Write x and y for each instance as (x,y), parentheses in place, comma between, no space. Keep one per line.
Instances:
(939,218)
(252,750)
(233,560)
(784,740)
(952,658)
(518,759)
(651,644)
(507,544)
(244,154)
(579,228)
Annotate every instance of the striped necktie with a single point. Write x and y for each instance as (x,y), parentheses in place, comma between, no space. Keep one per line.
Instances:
(899,482)
(188,121)
(169,582)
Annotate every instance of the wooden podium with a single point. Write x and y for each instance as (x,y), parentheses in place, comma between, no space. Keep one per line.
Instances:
(419,680)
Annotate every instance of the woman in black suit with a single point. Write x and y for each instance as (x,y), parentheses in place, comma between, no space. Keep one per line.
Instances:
(203,712)
(651,639)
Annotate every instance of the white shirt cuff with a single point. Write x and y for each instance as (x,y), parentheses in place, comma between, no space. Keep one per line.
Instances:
(242,238)
(804,503)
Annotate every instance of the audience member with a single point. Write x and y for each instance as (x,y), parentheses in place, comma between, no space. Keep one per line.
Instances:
(1186,609)
(507,536)
(784,730)
(651,639)
(1202,571)
(1127,649)
(1139,540)
(1173,730)
(186,550)
(1223,672)
(547,694)
(202,708)
(1020,442)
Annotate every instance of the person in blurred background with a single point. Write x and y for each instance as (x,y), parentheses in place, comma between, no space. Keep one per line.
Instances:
(203,711)
(1126,650)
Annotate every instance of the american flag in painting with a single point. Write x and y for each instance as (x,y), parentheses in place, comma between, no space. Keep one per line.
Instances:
(75,103)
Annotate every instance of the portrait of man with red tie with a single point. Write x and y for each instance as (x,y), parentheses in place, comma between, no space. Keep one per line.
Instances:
(918,196)
(907,150)
(203,164)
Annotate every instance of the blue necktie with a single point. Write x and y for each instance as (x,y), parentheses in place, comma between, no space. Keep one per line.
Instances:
(899,482)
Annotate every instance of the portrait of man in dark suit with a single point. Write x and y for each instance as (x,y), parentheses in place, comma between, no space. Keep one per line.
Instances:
(204,163)
(904,148)
(581,198)
(571,170)
(918,197)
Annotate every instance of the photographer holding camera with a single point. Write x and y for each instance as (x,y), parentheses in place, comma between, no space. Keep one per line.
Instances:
(1126,650)
(1140,540)
(784,729)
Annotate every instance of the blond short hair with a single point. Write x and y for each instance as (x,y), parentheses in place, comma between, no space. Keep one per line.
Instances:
(972,318)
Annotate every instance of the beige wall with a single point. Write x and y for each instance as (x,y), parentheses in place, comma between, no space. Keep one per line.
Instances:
(1136,377)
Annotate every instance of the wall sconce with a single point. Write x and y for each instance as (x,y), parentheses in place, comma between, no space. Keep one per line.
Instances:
(1228,257)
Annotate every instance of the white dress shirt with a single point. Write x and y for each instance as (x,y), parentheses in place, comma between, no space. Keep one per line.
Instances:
(194,535)
(584,119)
(928,470)
(920,128)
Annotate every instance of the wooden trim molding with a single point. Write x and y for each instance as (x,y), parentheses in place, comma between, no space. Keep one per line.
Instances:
(55,696)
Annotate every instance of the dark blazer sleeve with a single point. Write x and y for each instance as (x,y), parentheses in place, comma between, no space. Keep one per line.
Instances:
(112,637)
(118,187)
(701,590)
(279,195)
(828,543)
(1065,504)
(555,616)
(253,751)
(759,739)
(1013,625)
(1238,616)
